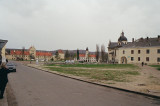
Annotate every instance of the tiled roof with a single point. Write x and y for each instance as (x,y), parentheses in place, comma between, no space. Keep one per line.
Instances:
(60,51)
(18,52)
(43,53)
(92,55)
(147,42)
(81,55)
(115,45)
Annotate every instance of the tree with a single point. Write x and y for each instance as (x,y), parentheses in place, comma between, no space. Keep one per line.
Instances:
(23,50)
(77,54)
(106,57)
(57,55)
(71,55)
(67,55)
(97,52)
(52,59)
(103,53)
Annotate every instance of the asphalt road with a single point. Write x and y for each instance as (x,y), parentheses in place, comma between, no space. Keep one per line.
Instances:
(33,87)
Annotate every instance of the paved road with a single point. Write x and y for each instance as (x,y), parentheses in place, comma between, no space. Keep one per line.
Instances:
(33,87)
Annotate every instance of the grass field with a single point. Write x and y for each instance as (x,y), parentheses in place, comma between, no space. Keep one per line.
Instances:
(119,73)
(97,65)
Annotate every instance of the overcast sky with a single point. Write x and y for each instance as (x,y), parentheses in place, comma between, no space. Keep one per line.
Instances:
(72,24)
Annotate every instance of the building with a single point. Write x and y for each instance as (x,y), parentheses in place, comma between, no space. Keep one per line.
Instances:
(114,46)
(27,54)
(2,50)
(145,50)
(87,57)
(58,55)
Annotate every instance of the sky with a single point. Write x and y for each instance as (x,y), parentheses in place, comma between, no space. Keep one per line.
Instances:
(72,24)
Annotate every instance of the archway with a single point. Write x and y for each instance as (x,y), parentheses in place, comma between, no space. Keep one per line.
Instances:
(123,60)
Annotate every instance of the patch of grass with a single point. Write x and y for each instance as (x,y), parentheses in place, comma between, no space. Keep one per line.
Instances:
(97,65)
(114,75)
(157,66)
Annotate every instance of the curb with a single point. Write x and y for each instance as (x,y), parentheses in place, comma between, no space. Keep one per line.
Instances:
(121,89)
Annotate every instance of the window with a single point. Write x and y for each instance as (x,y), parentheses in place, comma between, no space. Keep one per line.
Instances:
(132,51)
(139,59)
(139,51)
(132,58)
(147,51)
(147,58)
(158,59)
(158,50)
(123,52)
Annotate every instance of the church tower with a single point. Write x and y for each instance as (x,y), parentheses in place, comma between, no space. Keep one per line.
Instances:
(87,55)
(122,39)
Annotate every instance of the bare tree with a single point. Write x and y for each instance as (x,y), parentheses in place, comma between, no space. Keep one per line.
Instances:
(97,52)
(103,53)
(106,57)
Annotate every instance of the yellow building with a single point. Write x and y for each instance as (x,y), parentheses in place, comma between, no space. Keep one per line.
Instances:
(27,54)
(145,50)
(2,50)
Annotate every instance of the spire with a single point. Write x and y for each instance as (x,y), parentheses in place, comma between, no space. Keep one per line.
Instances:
(122,34)
(87,49)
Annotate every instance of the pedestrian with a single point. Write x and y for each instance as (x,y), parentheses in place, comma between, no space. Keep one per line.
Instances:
(3,79)
(142,64)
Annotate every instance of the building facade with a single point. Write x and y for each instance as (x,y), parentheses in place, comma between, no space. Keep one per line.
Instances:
(2,50)
(145,50)
(28,54)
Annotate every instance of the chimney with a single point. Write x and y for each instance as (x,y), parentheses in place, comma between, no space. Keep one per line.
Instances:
(147,38)
(132,39)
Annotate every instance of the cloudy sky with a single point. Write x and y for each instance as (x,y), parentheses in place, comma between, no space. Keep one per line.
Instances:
(72,24)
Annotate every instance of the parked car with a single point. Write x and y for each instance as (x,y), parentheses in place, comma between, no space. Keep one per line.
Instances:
(11,67)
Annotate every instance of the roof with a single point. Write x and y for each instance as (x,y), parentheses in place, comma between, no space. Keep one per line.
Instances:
(147,42)
(18,52)
(92,55)
(2,43)
(60,51)
(43,53)
(38,53)
(81,55)
(122,37)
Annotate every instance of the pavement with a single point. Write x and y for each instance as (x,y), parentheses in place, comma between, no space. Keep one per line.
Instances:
(3,102)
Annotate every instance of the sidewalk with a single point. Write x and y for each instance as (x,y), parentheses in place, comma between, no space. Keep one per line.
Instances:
(3,102)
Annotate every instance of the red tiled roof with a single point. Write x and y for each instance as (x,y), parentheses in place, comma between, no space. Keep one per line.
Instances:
(19,52)
(60,51)
(92,55)
(16,52)
(43,54)
(81,55)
